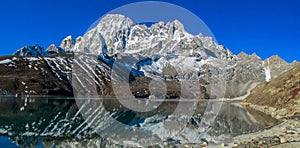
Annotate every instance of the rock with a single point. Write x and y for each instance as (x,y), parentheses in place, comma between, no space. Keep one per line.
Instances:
(282,139)
(242,55)
(224,145)
(48,143)
(255,57)
(260,142)
(235,144)
(275,59)
(276,139)
(67,43)
(204,144)
(52,48)
(290,132)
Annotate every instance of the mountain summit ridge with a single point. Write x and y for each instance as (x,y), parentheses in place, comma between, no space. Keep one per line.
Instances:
(168,52)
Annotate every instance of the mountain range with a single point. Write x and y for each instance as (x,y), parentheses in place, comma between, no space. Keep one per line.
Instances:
(163,52)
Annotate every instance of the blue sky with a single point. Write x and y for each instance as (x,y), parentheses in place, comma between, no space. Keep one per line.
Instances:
(266,27)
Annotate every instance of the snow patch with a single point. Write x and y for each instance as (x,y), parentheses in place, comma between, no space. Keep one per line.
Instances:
(32,59)
(5,61)
(22,108)
(29,134)
(268,74)
(3,131)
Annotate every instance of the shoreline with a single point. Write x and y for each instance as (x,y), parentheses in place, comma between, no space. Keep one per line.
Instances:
(285,134)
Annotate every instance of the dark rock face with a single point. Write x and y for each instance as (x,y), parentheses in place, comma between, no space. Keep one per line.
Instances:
(47,75)
(52,75)
(141,87)
(34,76)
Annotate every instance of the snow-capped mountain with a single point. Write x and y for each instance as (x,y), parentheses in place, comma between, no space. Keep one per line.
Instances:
(67,43)
(161,48)
(163,51)
(116,34)
(34,50)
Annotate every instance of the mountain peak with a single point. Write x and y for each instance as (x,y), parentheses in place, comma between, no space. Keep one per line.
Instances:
(275,59)
(255,56)
(67,43)
(34,50)
(242,55)
(52,48)
(115,21)
(111,33)
(178,24)
(114,17)
(294,63)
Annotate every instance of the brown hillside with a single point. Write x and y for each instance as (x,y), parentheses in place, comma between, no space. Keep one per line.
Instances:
(282,92)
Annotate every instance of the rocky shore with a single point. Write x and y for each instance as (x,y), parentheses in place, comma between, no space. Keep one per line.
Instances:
(279,98)
(286,134)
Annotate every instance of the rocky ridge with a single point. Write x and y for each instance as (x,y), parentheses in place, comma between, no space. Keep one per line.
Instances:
(165,52)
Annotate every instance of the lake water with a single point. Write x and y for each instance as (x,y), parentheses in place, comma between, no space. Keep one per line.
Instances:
(58,121)
(6,142)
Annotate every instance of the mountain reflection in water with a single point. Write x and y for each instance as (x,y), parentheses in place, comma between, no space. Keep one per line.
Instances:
(50,121)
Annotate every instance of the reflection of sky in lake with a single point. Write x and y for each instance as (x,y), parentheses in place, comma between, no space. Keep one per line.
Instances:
(7,143)
(232,120)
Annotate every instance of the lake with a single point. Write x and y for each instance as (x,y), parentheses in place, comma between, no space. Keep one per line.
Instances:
(60,121)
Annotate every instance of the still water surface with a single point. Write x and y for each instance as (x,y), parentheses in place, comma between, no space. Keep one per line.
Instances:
(51,121)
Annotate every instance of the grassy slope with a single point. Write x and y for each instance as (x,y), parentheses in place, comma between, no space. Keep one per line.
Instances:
(280,93)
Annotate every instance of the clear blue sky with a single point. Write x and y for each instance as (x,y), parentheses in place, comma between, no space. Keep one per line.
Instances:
(266,27)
